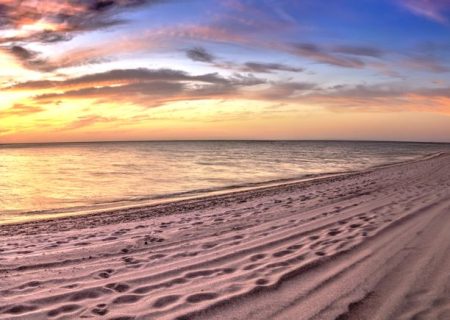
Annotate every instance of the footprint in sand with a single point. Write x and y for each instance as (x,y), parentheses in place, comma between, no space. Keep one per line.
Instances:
(261,282)
(295,247)
(68,308)
(334,232)
(199,297)
(105,273)
(21,308)
(99,311)
(282,253)
(156,256)
(209,245)
(257,257)
(165,301)
(119,287)
(90,293)
(126,299)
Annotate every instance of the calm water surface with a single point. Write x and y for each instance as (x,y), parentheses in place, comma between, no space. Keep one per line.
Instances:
(55,178)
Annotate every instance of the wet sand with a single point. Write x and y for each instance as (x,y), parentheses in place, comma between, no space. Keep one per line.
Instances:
(367,245)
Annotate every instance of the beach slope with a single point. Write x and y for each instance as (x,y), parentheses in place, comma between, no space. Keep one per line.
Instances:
(367,245)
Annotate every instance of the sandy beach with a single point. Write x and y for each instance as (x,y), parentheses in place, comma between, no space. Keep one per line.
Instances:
(368,245)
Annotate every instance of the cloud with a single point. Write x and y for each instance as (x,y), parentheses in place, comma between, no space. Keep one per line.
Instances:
(285,91)
(55,20)
(239,22)
(22,53)
(88,120)
(260,67)
(245,80)
(361,98)
(251,25)
(209,33)
(33,60)
(202,55)
(359,51)
(254,16)
(425,63)
(321,55)
(50,21)
(428,56)
(156,87)
(121,92)
(27,58)
(120,76)
(437,10)
(19,109)
(149,87)
(381,98)
(366,91)
(104,51)
(199,54)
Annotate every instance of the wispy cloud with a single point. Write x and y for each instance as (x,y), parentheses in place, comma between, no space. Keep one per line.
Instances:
(55,20)
(437,10)
(28,22)
(86,121)
(425,63)
(21,110)
(382,98)
(321,55)
(202,55)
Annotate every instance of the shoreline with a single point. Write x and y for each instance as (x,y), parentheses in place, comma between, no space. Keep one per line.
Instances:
(366,244)
(174,199)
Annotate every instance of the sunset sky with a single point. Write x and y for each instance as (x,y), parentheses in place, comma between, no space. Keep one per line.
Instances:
(84,70)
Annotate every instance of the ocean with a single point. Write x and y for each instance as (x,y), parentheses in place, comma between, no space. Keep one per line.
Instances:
(44,180)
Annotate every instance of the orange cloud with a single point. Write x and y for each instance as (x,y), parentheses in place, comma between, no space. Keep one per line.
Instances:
(19,110)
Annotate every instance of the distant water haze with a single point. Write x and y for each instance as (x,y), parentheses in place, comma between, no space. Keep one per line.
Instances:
(43,180)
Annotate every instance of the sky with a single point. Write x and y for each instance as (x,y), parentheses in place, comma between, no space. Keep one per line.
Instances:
(89,70)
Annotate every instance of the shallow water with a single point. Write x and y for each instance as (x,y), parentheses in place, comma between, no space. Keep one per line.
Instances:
(59,177)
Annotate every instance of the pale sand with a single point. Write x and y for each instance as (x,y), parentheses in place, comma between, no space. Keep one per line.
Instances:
(370,245)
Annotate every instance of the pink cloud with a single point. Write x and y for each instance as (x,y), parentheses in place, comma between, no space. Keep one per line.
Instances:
(432,9)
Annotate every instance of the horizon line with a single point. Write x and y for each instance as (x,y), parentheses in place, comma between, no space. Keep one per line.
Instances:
(220,140)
